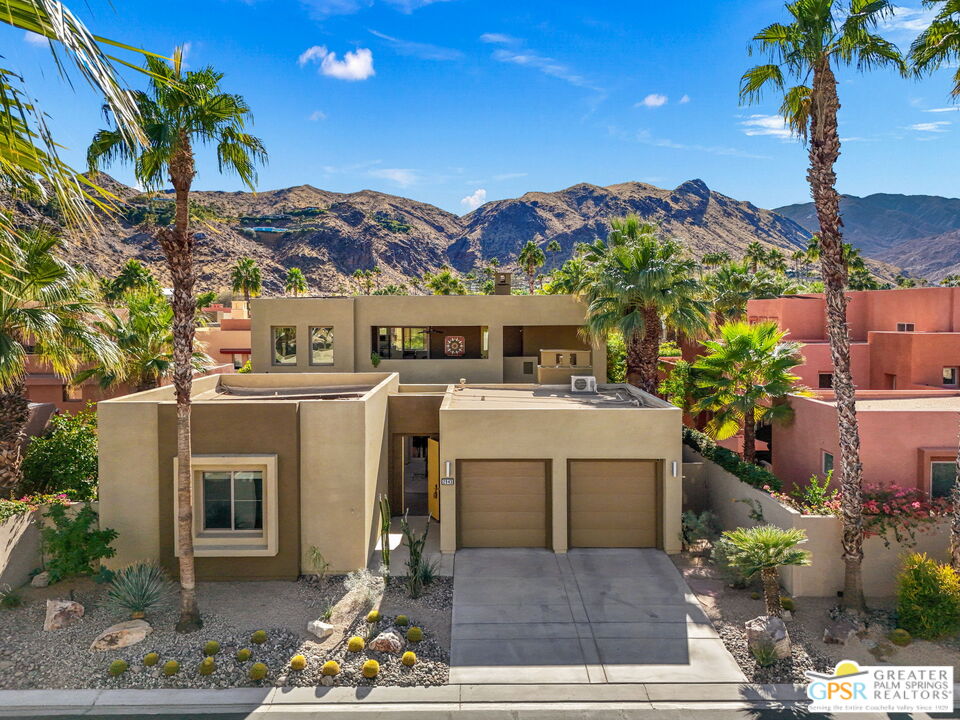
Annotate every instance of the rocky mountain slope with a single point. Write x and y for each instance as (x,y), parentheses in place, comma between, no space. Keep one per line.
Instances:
(329,235)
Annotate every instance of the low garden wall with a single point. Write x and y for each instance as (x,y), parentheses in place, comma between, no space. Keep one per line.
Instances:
(707,486)
(19,548)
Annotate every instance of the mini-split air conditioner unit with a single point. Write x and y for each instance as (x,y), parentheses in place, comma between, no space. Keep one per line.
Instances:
(583,384)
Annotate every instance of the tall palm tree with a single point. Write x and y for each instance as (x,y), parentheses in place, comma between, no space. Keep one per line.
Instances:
(296,283)
(776,261)
(245,277)
(822,36)
(444,282)
(755,255)
(46,309)
(730,287)
(744,378)
(180,109)
(133,275)
(364,280)
(567,279)
(640,283)
(530,259)
(936,47)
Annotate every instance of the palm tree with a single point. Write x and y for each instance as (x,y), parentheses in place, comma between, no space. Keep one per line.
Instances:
(133,275)
(144,334)
(639,283)
(755,255)
(444,282)
(364,280)
(47,310)
(730,287)
(776,261)
(296,283)
(744,379)
(183,108)
(762,550)
(530,259)
(799,258)
(245,277)
(821,36)
(567,279)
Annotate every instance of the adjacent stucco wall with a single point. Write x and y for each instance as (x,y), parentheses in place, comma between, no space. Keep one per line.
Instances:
(19,548)
(302,313)
(559,435)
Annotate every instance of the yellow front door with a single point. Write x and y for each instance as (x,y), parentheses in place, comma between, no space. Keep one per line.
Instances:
(433,478)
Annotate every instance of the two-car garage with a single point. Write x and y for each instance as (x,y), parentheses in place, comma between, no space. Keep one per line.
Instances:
(511,503)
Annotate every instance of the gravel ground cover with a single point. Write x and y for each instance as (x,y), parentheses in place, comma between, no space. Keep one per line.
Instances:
(32,658)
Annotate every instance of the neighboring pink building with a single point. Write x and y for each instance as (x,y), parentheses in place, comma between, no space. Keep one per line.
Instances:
(227,338)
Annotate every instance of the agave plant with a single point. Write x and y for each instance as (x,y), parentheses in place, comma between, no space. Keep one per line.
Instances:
(139,588)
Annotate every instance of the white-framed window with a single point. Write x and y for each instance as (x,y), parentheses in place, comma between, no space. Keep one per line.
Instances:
(943,474)
(234,505)
(905,327)
(284,345)
(826,462)
(321,346)
(951,375)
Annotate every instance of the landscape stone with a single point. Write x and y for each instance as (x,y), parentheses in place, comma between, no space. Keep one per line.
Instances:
(768,631)
(320,628)
(839,632)
(386,642)
(122,635)
(61,613)
(40,580)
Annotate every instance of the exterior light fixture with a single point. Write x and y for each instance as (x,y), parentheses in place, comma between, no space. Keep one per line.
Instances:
(674,464)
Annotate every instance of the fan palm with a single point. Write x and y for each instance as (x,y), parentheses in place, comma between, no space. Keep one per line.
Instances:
(743,379)
(641,282)
(180,109)
(567,279)
(133,275)
(245,277)
(821,36)
(46,309)
(296,283)
(444,282)
(756,255)
(762,550)
(530,259)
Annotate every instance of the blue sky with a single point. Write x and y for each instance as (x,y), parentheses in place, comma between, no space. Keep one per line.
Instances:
(455,102)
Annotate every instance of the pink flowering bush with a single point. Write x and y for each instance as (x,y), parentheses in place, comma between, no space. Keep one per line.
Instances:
(29,503)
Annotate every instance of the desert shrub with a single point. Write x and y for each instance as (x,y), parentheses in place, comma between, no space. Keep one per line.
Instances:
(330,668)
(355,644)
(171,668)
(900,637)
(928,597)
(729,571)
(298,662)
(247,367)
(371,668)
(815,497)
(243,654)
(409,658)
(788,603)
(694,527)
(402,620)
(419,570)
(72,544)
(10,598)
(139,588)
(373,616)
(207,666)
(731,462)
(414,634)
(764,653)
(151,659)
(64,459)
(366,584)
(320,564)
(259,637)
(258,671)
(118,667)
(327,613)
(211,648)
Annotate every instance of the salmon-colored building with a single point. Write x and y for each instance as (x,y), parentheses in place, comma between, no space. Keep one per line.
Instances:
(905,361)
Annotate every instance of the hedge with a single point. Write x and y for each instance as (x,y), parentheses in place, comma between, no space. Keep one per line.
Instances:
(759,477)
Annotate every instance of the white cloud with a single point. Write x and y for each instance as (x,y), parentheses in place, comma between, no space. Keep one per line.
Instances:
(356,65)
(766,125)
(317,115)
(32,38)
(321,9)
(403,177)
(653,100)
(944,109)
(509,176)
(499,39)
(940,126)
(474,199)
(909,20)
(425,51)
(516,54)
(645,137)
(685,99)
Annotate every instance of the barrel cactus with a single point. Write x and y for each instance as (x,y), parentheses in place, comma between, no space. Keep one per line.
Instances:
(259,637)
(118,667)
(211,648)
(243,654)
(355,644)
(171,668)
(414,634)
(151,659)
(207,666)
(371,668)
(409,658)
(258,671)
(330,668)
(298,662)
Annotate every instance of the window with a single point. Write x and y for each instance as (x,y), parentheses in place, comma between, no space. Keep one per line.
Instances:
(826,463)
(825,381)
(905,327)
(321,346)
(402,343)
(943,475)
(284,346)
(950,375)
(232,500)
(527,367)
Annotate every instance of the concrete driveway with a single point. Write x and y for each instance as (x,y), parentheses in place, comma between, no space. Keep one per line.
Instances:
(589,616)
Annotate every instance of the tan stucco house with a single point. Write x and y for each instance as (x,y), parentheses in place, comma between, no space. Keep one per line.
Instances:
(288,460)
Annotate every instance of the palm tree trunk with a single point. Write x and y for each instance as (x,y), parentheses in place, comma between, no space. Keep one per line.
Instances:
(824,152)
(177,244)
(749,438)
(14,414)
(643,353)
(531,280)
(771,591)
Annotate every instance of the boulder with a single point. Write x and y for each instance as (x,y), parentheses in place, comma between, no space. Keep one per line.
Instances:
(122,635)
(40,580)
(386,642)
(768,631)
(320,629)
(61,613)
(839,632)
(326,680)
(343,615)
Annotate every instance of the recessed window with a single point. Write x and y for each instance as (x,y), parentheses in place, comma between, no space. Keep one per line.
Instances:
(402,343)
(825,381)
(321,346)
(232,500)
(284,346)
(950,375)
(942,477)
(905,327)
(826,462)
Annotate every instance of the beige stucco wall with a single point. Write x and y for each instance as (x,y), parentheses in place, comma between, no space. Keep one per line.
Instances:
(559,435)
(302,313)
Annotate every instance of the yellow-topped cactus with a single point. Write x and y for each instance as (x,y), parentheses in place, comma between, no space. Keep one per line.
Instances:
(371,668)
(409,658)
(207,666)
(211,648)
(298,662)
(171,668)
(258,671)
(330,668)
(259,637)
(414,634)
(356,644)
(118,667)
(243,654)
(373,616)
(151,659)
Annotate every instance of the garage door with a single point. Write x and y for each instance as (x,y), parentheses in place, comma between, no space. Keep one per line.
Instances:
(502,503)
(613,503)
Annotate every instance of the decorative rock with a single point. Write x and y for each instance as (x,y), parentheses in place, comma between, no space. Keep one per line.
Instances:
(839,632)
(61,613)
(787,615)
(320,628)
(386,642)
(122,635)
(768,631)
(40,580)
(326,680)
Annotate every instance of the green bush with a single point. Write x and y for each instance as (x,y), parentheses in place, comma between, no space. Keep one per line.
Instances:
(258,671)
(139,588)
(414,634)
(64,459)
(10,598)
(151,659)
(616,358)
(171,668)
(694,527)
(259,637)
(72,543)
(207,666)
(118,667)
(244,654)
(764,654)
(928,597)
(900,637)
(211,648)
(731,462)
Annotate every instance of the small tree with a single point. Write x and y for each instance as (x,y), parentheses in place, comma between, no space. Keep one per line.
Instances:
(296,283)
(761,551)
(65,458)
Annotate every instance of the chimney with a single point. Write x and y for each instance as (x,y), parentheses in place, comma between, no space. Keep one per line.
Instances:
(503,284)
